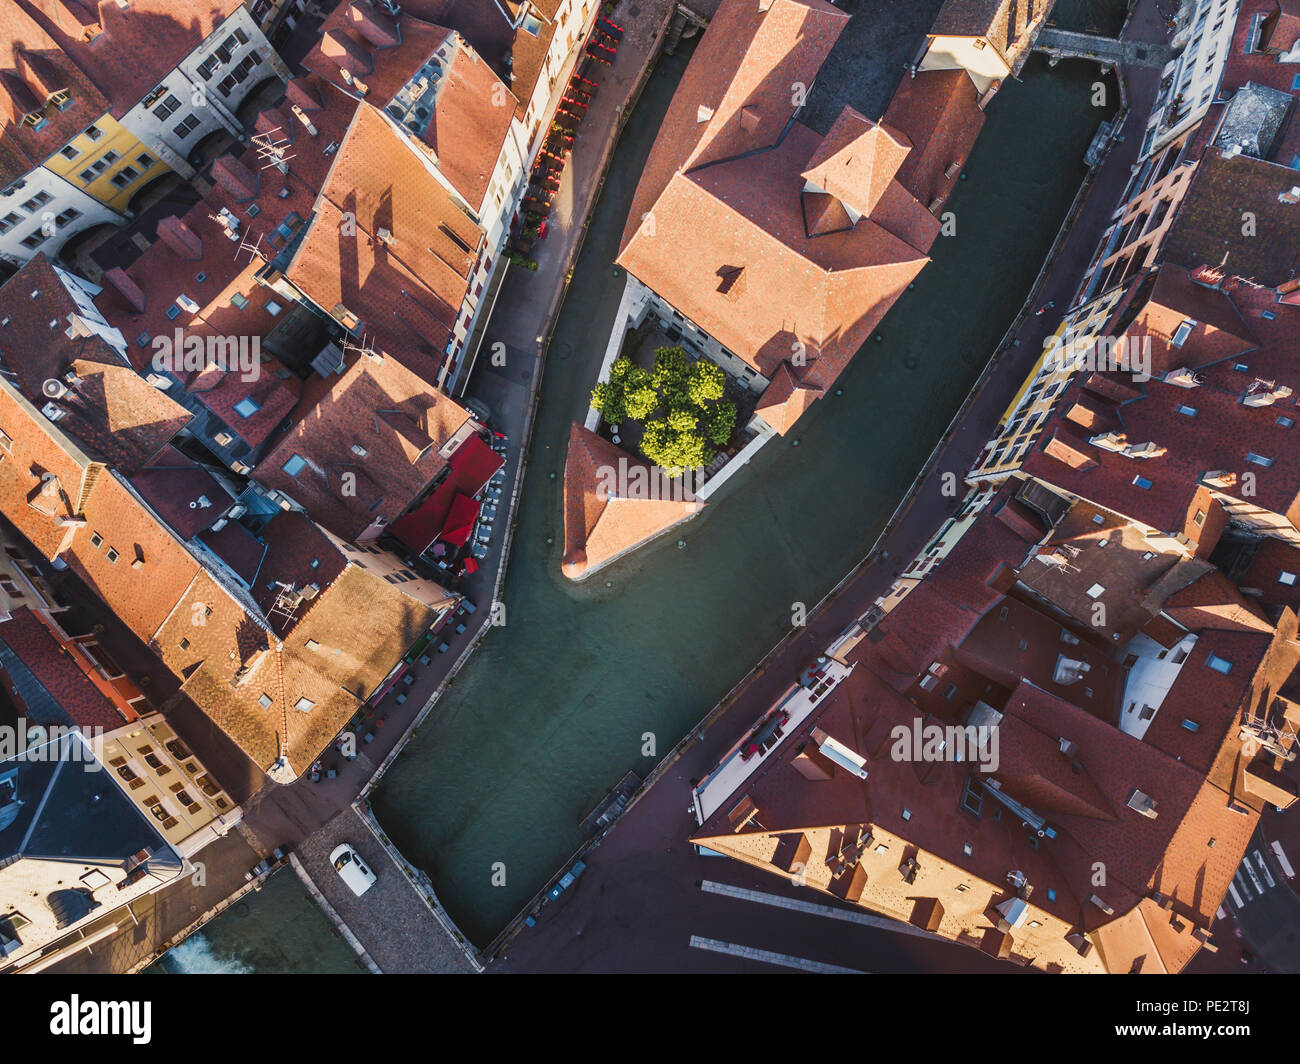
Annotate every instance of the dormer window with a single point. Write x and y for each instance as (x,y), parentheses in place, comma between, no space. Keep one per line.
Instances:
(35,119)
(1183,331)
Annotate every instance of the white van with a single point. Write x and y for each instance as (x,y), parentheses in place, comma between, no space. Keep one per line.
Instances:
(351,869)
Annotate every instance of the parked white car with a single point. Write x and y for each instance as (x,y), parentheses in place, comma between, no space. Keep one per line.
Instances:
(351,869)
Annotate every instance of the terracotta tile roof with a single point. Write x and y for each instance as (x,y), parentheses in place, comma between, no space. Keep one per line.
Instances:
(1188,852)
(748,213)
(110,410)
(137,44)
(857,160)
(748,58)
(1002,22)
(32,68)
(36,647)
(938,111)
(182,492)
(1208,228)
(471,111)
(517,56)
(380,406)
(786,398)
(599,527)
(407,287)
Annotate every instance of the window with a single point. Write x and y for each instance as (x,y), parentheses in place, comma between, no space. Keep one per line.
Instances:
(209,67)
(1191,725)
(9,221)
(34,240)
(1199,519)
(125,176)
(1219,664)
(907,813)
(294,465)
(70,215)
(972,798)
(144,161)
(167,108)
(272,307)
(967,848)
(1258,459)
(359,451)
(1190,411)
(238,302)
(112,555)
(1142,483)
(69,151)
(1183,331)
(312,644)
(185,126)
(94,132)
(265,701)
(1285,422)
(1286,578)
(96,540)
(304,705)
(38,200)
(1096,591)
(1051,894)
(1295,83)
(247,407)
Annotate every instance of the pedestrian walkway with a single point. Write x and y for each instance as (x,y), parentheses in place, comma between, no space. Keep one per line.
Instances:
(1068,44)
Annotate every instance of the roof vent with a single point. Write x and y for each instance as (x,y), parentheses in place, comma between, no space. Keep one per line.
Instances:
(54,389)
(1142,803)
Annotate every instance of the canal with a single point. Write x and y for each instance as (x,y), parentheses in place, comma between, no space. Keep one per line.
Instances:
(276,931)
(586,682)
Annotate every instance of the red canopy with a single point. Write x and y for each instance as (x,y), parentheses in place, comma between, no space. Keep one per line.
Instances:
(460,522)
(471,565)
(470,468)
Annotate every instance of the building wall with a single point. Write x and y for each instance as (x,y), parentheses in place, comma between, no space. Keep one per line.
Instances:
(1189,82)
(972,54)
(61,211)
(107,162)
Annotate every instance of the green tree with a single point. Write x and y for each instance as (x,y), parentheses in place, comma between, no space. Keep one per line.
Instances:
(720,423)
(610,399)
(671,377)
(704,383)
(675,444)
(642,401)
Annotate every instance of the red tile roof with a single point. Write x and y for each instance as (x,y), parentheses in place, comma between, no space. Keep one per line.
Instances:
(599,526)
(939,112)
(380,406)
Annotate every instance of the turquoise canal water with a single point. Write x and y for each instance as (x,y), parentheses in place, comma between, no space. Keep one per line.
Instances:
(559,703)
(278,930)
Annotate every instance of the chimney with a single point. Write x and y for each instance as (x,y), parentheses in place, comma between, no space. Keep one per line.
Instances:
(118,280)
(1265,393)
(1182,377)
(180,238)
(235,177)
(1142,803)
(1219,478)
(304,95)
(375,26)
(1144,450)
(345,53)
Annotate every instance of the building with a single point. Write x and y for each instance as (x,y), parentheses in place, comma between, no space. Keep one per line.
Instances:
(471,89)
(989,39)
(963,762)
(100,801)
(1190,80)
(103,101)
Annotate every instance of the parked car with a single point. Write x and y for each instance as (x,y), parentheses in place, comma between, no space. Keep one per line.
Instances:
(351,869)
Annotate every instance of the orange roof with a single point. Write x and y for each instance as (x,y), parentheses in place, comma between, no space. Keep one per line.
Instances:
(857,160)
(599,525)
(735,95)
(786,399)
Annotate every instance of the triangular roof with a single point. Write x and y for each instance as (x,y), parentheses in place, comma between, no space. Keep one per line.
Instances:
(598,526)
(857,160)
(786,399)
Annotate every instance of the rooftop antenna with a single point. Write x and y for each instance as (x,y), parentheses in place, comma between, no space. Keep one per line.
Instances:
(364,347)
(253,248)
(271,150)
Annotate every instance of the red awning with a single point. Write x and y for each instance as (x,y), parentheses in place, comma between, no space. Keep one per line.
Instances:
(471,565)
(470,468)
(460,522)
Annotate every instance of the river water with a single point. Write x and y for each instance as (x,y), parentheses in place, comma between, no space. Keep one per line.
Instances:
(586,682)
